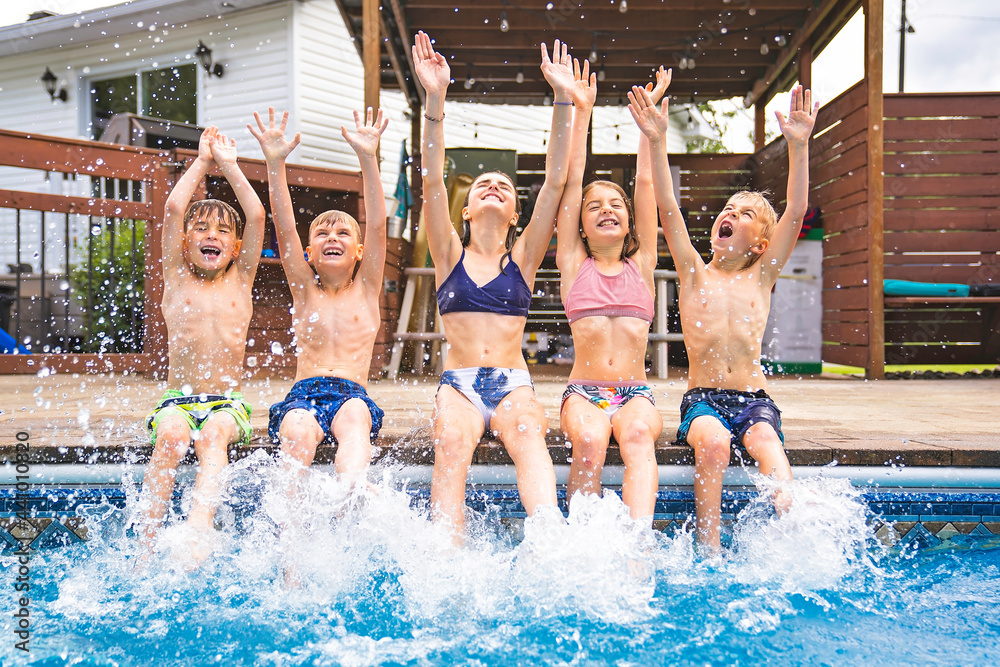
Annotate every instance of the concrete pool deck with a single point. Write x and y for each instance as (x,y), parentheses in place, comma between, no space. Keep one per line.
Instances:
(949,422)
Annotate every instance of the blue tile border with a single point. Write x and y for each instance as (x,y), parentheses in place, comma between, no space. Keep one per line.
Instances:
(55,515)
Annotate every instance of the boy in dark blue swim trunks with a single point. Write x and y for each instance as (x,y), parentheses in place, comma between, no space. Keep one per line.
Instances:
(335,289)
(724,305)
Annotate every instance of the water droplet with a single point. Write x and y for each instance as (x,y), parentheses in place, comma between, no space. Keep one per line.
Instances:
(314,317)
(251,362)
(451,295)
(522,428)
(186,389)
(507,405)
(697,324)
(276,348)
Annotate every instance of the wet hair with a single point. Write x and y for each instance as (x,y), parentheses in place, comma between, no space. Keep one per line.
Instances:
(207,208)
(511,232)
(631,244)
(333,217)
(766,216)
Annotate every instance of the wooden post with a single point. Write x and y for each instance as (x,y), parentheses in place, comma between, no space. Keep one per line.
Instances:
(154,339)
(759,116)
(875,366)
(805,66)
(416,179)
(371,49)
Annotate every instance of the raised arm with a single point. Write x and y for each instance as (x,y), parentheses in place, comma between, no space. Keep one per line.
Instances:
(364,140)
(797,129)
(224,154)
(178,201)
(653,123)
(276,149)
(530,247)
(644,198)
(570,251)
(434,74)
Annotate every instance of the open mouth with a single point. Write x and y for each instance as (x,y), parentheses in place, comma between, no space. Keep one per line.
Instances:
(332,252)
(725,230)
(609,222)
(492,195)
(210,251)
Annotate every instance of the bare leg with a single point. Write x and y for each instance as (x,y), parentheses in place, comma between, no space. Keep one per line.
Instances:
(521,428)
(764,445)
(352,428)
(711,442)
(637,425)
(458,426)
(173,437)
(211,446)
(300,434)
(589,429)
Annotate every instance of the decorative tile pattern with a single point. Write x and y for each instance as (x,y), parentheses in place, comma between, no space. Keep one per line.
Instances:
(54,516)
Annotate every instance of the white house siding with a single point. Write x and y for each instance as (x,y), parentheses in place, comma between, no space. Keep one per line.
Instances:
(251,45)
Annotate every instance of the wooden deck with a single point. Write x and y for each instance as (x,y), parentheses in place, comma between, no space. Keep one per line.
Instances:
(98,418)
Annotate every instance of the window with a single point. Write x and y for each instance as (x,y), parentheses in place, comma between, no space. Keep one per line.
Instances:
(169,93)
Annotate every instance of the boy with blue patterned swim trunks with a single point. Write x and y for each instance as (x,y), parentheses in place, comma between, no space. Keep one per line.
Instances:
(724,306)
(335,287)
(209,264)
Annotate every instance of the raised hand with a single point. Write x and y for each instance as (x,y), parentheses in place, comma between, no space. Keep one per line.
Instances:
(652,121)
(584,85)
(431,67)
(559,70)
(364,140)
(223,151)
(206,141)
(272,138)
(662,83)
(798,126)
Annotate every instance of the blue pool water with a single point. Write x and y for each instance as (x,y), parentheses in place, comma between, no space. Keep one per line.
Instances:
(380,585)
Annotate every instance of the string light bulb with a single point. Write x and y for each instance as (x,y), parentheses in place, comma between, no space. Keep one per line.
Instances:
(623,6)
(593,51)
(470,80)
(504,23)
(520,75)
(781,40)
(764,48)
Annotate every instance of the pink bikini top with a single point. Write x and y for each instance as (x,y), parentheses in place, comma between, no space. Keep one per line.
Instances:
(623,295)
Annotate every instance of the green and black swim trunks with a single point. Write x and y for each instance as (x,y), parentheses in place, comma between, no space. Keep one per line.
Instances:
(197,408)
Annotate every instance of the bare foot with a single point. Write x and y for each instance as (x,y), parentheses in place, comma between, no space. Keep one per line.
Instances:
(782,500)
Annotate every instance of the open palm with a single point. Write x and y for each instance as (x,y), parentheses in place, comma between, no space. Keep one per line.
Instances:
(559,70)
(431,67)
(272,138)
(651,121)
(584,85)
(798,126)
(364,140)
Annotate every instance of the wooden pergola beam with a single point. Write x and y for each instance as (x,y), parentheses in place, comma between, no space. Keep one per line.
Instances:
(371,52)
(875,366)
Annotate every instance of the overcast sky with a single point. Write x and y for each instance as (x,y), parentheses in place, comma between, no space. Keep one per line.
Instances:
(953,48)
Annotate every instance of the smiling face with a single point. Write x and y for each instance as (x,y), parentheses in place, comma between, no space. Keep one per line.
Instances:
(492,193)
(743,228)
(212,236)
(606,218)
(334,241)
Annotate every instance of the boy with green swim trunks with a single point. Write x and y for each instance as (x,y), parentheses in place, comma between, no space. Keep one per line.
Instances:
(209,264)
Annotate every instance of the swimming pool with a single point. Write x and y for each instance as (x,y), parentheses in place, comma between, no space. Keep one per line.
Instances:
(380,586)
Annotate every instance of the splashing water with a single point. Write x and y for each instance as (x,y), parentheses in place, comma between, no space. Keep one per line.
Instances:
(380,584)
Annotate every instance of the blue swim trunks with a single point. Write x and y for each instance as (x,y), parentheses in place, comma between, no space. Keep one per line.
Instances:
(737,410)
(322,397)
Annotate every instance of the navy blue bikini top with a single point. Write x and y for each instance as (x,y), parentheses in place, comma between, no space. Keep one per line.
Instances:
(507,294)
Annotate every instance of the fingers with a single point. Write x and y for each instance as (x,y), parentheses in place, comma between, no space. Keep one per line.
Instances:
(295,141)
(270,116)
(260,123)
(781,118)
(284,121)
(576,70)
(586,69)
(545,54)
(381,122)
(665,106)
(368,117)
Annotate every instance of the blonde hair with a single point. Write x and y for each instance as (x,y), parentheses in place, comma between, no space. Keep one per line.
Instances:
(331,218)
(766,215)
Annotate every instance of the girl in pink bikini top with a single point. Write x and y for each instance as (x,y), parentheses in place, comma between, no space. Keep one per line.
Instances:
(606,257)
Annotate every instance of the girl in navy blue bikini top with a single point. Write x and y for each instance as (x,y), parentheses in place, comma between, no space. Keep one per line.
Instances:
(486,273)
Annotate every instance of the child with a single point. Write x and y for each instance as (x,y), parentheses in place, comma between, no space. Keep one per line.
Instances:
(484,280)
(209,264)
(724,306)
(606,258)
(335,290)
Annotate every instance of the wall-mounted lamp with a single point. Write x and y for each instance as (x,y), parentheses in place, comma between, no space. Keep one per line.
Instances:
(205,58)
(49,80)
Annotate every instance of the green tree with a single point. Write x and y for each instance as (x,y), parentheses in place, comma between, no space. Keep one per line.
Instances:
(108,283)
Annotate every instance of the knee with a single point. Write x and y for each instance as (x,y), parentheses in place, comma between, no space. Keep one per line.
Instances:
(761,435)
(452,444)
(353,418)
(637,435)
(172,441)
(713,452)
(296,430)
